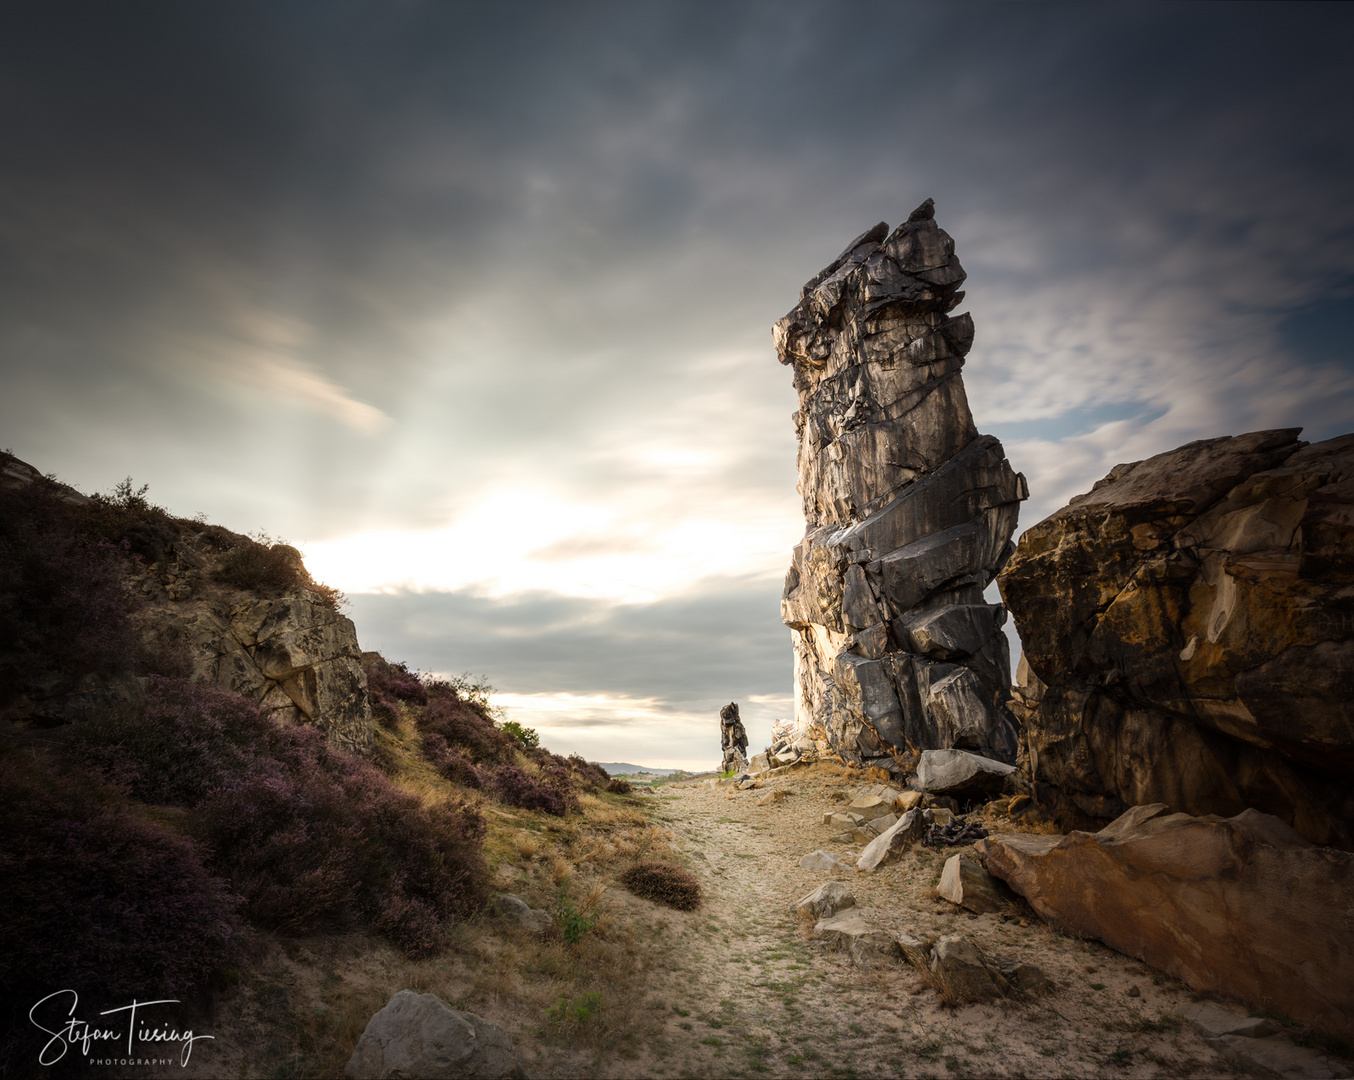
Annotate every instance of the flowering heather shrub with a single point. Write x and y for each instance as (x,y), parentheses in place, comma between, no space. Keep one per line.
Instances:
(262,566)
(95,899)
(454,765)
(589,775)
(466,724)
(319,838)
(618,786)
(388,684)
(664,884)
(180,742)
(516,787)
(63,603)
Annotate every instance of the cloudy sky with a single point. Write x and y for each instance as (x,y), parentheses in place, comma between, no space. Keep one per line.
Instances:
(473,302)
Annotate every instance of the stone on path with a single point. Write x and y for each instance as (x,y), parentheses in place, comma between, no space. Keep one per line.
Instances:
(889,845)
(852,933)
(420,1035)
(823,860)
(966,883)
(824,902)
(528,918)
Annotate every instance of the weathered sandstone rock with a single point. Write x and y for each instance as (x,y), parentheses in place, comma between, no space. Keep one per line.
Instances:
(295,656)
(824,902)
(966,883)
(1188,627)
(900,837)
(1243,906)
(420,1035)
(909,510)
(823,860)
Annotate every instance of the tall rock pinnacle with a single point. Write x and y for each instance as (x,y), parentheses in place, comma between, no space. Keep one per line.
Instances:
(909,510)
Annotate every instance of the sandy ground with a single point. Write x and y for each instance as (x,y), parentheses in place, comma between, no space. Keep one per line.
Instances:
(748,993)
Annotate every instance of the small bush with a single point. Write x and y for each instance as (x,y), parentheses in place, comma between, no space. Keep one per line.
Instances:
(573,924)
(263,566)
(466,724)
(589,775)
(527,737)
(454,765)
(388,684)
(570,1014)
(664,884)
(515,787)
(620,787)
(94,898)
(63,600)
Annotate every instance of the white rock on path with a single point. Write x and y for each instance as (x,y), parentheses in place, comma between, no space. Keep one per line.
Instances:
(824,901)
(886,847)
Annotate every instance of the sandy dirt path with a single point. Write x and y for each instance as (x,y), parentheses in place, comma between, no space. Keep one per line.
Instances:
(744,991)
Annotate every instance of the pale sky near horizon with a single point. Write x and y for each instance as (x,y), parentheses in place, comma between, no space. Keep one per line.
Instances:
(473,302)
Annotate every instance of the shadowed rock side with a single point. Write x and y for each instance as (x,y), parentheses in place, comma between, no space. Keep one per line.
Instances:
(909,510)
(1188,627)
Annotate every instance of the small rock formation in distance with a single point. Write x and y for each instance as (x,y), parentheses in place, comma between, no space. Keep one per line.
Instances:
(733,738)
(1189,636)
(909,511)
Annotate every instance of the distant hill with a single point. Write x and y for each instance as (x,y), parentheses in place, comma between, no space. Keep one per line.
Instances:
(624,768)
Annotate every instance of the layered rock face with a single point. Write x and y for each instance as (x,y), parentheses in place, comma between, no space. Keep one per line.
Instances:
(1188,628)
(909,510)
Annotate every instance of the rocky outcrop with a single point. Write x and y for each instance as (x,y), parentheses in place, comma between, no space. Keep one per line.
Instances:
(909,510)
(421,1035)
(294,655)
(1244,907)
(1188,631)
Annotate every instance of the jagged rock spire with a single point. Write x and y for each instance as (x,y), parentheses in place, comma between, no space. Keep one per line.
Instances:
(909,511)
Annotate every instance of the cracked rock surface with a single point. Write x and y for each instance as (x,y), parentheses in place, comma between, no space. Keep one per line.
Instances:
(909,510)
(1188,627)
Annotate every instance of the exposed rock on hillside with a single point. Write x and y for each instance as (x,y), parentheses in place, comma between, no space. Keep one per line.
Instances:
(98,589)
(1244,906)
(909,510)
(1188,627)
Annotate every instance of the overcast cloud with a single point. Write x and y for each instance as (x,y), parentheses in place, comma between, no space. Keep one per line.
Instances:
(474,301)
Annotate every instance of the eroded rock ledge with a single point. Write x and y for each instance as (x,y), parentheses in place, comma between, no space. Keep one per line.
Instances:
(1188,627)
(909,510)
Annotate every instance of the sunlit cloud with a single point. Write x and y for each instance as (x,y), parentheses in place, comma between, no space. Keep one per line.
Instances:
(517,541)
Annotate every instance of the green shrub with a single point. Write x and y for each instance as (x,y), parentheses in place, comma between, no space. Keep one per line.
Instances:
(572,923)
(663,884)
(528,737)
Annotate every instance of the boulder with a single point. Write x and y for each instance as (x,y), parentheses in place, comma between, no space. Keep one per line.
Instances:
(1188,637)
(966,883)
(823,860)
(893,842)
(870,807)
(960,972)
(824,902)
(420,1035)
(908,510)
(854,934)
(520,912)
(1243,907)
(959,773)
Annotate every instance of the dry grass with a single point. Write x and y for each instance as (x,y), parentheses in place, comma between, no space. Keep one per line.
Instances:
(301,1005)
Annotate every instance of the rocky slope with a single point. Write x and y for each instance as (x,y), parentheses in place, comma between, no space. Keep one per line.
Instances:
(909,511)
(155,594)
(1188,628)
